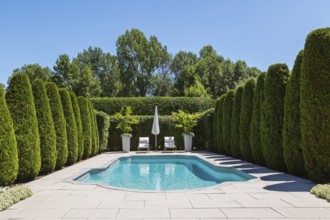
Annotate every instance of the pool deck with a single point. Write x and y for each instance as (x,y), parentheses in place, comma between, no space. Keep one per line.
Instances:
(273,195)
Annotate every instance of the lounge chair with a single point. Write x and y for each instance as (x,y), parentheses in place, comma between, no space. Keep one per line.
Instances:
(143,143)
(169,143)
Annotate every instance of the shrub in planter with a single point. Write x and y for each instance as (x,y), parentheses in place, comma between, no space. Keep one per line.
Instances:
(76,112)
(20,102)
(235,123)
(71,127)
(272,116)
(46,127)
(315,105)
(220,142)
(86,125)
(59,124)
(8,145)
(293,155)
(246,116)
(255,141)
(226,120)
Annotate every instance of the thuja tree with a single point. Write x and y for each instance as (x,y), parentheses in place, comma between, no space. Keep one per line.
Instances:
(315,105)
(76,112)
(93,130)
(226,120)
(215,127)
(71,127)
(272,116)
(293,155)
(20,102)
(221,148)
(246,116)
(86,125)
(46,127)
(59,124)
(235,123)
(8,145)
(255,141)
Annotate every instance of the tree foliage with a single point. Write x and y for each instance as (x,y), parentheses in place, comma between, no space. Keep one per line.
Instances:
(86,125)
(46,127)
(315,105)
(76,111)
(272,116)
(8,145)
(227,120)
(220,141)
(235,123)
(20,102)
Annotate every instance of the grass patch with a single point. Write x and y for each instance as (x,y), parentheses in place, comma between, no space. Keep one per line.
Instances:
(12,195)
(322,191)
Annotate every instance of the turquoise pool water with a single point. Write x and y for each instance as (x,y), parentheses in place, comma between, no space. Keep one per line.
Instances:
(162,173)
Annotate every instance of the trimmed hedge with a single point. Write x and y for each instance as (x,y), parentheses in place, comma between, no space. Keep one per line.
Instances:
(322,191)
(226,121)
(103,124)
(235,123)
(255,141)
(246,116)
(76,112)
(146,105)
(13,195)
(272,116)
(220,147)
(46,127)
(8,145)
(71,127)
(59,124)
(293,155)
(94,149)
(20,102)
(315,105)
(215,123)
(203,131)
(86,125)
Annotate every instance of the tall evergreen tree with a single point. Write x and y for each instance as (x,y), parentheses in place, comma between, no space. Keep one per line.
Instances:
(220,141)
(8,145)
(86,124)
(76,112)
(235,123)
(227,121)
(46,127)
(20,102)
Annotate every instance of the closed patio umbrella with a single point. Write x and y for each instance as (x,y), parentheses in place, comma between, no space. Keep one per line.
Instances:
(155,126)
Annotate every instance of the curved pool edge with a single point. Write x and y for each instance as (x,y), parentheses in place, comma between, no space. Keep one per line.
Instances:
(209,162)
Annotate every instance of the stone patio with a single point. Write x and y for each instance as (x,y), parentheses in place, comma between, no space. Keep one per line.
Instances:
(274,195)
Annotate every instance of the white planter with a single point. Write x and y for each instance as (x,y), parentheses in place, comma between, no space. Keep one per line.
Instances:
(187,142)
(126,141)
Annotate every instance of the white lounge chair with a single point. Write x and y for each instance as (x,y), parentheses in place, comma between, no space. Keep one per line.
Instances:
(169,143)
(143,143)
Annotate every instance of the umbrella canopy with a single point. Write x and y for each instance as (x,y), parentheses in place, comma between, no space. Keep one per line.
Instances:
(155,126)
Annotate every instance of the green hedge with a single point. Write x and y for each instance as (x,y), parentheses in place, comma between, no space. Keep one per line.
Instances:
(8,145)
(246,116)
(315,105)
(203,139)
(235,123)
(226,120)
(86,125)
(103,124)
(71,127)
(94,134)
(13,195)
(272,116)
(20,102)
(255,141)
(220,143)
(46,127)
(59,124)
(146,105)
(293,155)
(76,112)
(215,123)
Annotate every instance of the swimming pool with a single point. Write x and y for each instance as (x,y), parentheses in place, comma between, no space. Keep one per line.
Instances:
(158,173)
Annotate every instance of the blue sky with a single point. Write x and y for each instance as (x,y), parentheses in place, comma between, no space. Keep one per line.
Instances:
(261,32)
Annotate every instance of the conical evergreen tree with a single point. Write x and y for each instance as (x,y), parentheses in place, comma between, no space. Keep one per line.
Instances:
(221,147)
(20,102)
(235,123)
(8,145)
(76,111)
(226,120)
(46,127)
(71,127)
(86,125)
(59,124)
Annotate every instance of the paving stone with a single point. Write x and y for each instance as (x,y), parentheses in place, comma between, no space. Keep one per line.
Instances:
(91,213)
(41,213)
(168,204)
(122,204)
(215,204)
(251,213)
(196,213)
(277,195)
(304,212)
(144,213)
(263,203)
(230,197)
(314,202)
(147,196)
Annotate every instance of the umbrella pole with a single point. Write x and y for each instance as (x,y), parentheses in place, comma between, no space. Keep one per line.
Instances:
(156,142)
